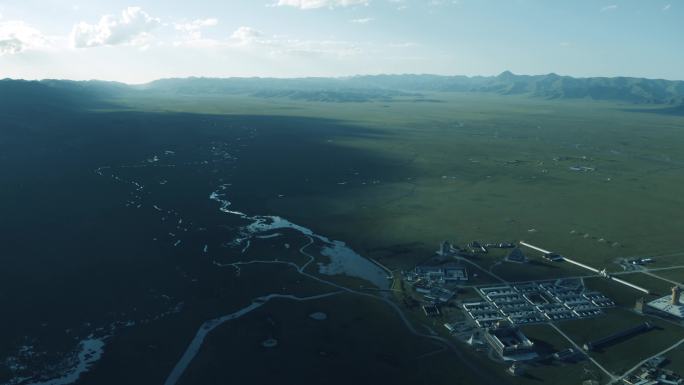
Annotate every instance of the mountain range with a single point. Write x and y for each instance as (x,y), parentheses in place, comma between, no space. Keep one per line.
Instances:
(363,88)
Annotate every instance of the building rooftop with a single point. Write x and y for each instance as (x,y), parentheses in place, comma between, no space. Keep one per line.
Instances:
(516,255)
(510,343)
(664,304)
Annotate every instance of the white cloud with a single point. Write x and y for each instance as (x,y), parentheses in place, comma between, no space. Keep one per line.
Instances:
(364,20)
(17,36)
(194,28)
(315,4)
(247,35)
(10,45)
(609,8)
(406,44)
(133,27)
(667,7)
(259,43)
(320,48)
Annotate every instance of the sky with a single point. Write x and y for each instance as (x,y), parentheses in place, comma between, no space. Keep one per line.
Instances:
(136,41)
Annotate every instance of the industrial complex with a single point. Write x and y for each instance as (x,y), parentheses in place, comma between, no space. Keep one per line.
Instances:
(494,321)
(535,302)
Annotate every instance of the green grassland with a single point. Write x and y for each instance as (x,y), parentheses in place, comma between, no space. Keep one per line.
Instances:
(150,350)
(656,286)
(676,360)
(621,356)
(623,296)
(486,167)
(537,269)
(355,344)
(491,168)
(549,341)
(391,179)
(546,339)
(676,275)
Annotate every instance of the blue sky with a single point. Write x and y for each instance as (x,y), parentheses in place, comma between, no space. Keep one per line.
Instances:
(138,41)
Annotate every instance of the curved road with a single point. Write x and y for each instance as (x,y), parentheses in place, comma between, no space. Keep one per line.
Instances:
(194,347)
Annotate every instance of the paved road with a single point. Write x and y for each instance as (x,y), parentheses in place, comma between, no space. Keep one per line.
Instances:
(609,374)
(484,376)
(637,366)
(643,270)
(662,278)
(480,268)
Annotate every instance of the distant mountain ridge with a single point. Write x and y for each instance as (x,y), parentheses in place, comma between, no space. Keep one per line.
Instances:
(551,86)
(387,87)
(24,96)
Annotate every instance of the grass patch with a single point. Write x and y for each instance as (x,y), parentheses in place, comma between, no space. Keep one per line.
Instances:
(623,355)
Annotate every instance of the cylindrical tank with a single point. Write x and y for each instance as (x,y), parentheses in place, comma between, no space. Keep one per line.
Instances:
(676,292)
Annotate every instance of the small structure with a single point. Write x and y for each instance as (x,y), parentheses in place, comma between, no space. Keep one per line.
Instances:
(270,343)
(450,272)
(516,255)
(483,313)
(676,293)
(653,375)
(455,273)
(598,299)
(500,245)
(510,343)
(431,310)
(655,362)
(430,272)
(516,369)
(640,261)
(446,249)
(473,340)
(422,286)
(476,247)
(438,294)
(639,306)
(553,257)
(566,355)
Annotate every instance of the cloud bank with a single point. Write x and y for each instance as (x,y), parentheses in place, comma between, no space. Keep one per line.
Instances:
(316,4)
(133,27)
(17,36)
(194,28)
(364,20)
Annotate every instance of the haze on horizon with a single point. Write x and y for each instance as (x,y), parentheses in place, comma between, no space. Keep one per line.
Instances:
(144,40)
